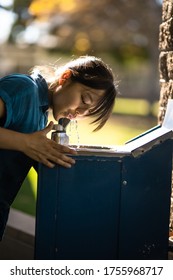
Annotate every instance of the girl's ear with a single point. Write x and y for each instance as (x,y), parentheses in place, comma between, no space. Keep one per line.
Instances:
(65,76)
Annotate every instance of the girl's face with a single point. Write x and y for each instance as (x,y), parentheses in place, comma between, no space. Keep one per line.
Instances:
(74,100)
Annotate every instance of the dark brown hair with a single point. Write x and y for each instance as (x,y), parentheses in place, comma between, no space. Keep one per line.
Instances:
(94,73)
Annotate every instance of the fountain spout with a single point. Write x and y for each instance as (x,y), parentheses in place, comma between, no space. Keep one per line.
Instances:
(59,135)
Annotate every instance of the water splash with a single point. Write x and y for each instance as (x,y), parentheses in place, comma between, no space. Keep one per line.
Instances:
(73,133)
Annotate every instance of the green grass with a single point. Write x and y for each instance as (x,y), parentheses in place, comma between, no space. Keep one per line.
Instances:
(135,107)
(26,198)
(130,119)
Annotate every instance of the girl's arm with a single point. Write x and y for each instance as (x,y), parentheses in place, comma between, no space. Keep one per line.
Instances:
(35,145)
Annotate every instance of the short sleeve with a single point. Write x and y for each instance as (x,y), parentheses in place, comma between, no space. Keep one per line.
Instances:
(20,95)
(7,100)
(25,99)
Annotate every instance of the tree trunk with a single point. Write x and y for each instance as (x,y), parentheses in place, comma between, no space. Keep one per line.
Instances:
(166,67)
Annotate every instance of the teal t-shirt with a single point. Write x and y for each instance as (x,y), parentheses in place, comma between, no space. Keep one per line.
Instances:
(26,101)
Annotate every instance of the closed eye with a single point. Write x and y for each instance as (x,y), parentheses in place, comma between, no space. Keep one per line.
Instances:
(86,99)
(83,100)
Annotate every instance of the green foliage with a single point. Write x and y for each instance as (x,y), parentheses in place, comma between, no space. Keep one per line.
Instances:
(26,198)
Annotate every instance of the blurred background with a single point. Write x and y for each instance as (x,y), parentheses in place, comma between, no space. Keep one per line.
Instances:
(123,33)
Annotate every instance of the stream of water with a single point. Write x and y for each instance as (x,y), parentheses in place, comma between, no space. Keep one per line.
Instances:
(73,133)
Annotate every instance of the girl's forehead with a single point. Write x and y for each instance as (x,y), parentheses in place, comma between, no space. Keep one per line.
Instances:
(97,92)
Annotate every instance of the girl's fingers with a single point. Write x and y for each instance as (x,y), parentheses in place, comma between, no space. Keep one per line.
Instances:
(48,128)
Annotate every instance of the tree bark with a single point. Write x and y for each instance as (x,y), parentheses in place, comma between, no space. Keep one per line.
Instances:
(166,68)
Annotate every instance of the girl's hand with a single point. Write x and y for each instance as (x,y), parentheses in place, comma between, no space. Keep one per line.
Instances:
(38,147)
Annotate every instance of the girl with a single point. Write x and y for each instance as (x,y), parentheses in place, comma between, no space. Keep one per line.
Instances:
(83,87)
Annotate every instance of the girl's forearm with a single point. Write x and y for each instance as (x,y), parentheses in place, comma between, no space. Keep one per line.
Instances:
(37,146)
(11,140)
